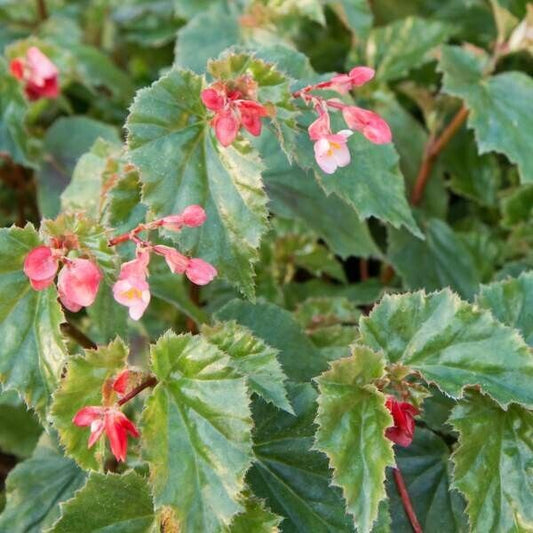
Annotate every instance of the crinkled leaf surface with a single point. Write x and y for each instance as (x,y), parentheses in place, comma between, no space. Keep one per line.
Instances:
(32,349)
(252,358)
(501,107)
(453,344)
(81,387)
(37,486)
(352,420)
(493,464)
(292,475)
(511,302)
(181,163)
(109,502)
(196,433)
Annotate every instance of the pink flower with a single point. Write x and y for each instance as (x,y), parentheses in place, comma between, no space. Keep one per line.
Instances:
(78,283)
(200,272)
(176,261)
(331,151)
(403,430)
(251,113)
(41,265)
(358,76)
(320,127)
(121,382)
(370,124)
(39,74)
(226,124)
(213,99)
(111,420)
(192,216)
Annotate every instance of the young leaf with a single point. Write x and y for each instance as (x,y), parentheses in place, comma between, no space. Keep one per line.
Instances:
(253,359)
(352,419)
(81,387)
(492,464)
(196,433)
(109,502)
(292,476)
(511,302)
(32,349)
(501,107)
(37,486)
(168,124)
(453,344)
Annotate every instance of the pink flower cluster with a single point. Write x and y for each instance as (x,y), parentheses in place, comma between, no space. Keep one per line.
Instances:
(78,280)
(234,104)
(109,420)
(38,73)
(331,150)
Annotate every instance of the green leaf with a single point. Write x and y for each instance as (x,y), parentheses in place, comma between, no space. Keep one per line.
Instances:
(37,486)
(81,387)
(64,143)
(253,359)
(123,505)
(493,464)
(14,138)
(356,14)
(501,107)
(295,193)
(517,206)
(395,49)
(451,343)
(256,518)
(426,470)
(352,419)
(299,358)
(196,433)
(19,428)
(511,302)
(289,473)
(441,260)
(32,349)
(168,124)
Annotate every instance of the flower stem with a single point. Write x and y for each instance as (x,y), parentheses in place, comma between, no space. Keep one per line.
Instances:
(41,10)
(150,382)
(406,501)
(75,334)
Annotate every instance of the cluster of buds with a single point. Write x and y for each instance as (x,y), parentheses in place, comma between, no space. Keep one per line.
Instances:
(38,73)
(403,429)
(234,104)
(78,280)
(331,150)
(109,419)
(132,289)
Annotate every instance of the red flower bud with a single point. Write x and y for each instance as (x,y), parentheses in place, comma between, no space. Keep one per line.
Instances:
(193,216)
(403,430)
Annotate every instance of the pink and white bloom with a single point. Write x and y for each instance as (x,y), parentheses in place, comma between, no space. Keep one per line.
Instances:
(358,76)
(110,420)
(331,151)
(370,124)
(200,272)
(78,283)
(41,265)
(38,73)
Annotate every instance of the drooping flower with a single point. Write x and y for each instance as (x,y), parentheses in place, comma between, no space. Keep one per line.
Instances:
(358,76)
(331,151)
(78,283)
(41,265)
(38,73)
(370,124)
(110,420)
(176,261)
(402,432)
(200,272)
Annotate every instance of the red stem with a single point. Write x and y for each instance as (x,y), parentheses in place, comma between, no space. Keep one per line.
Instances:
(406,501)
(150,382)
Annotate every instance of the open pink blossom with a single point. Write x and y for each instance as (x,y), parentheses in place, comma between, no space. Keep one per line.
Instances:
(251,113)
(113,422)
(403,430)
(331,151)
(370,124)
(358,76)
(78,283)
(320,127)
(214,99)
(38,73)
(176,261)
(41,265)
(200,272)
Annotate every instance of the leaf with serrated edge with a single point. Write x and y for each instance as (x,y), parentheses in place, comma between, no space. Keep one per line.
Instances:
(196,432)
(501,107)
(253,358)
(511,302)
(493,463)
(255,519)
(181,163)
(352,419)
(81,387)
(451,343)
(32,349)
(108,502)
